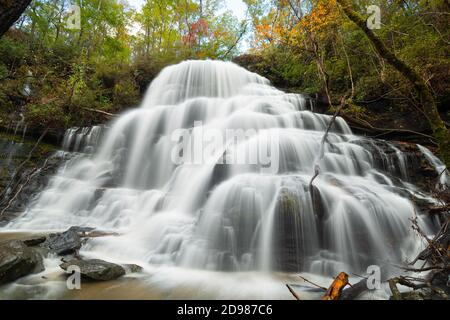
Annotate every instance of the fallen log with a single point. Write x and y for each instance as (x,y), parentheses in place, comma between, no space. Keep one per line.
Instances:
(354,291)
(335,290)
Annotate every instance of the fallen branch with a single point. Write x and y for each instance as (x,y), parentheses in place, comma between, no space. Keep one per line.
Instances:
(396,295)
(354,291)
(11,201)
(291,290)
(314,284)
(10,186)
(439,209)
(367,126)
(99,111)
(423,269)
(437,247)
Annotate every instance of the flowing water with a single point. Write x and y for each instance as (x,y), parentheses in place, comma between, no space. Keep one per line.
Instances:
(182,209)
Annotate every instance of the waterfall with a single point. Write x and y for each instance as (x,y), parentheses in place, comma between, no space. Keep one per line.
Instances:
(83,139)
(444,177)
(177,204)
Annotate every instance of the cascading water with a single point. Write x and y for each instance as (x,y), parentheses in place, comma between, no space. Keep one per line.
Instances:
(215,215)
(444,177)
(83,139)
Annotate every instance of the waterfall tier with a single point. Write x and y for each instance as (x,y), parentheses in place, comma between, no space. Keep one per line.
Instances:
(216,215)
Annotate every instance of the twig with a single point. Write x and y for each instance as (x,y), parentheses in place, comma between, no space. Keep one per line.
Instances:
(314,284)
(421,269)
(35,171)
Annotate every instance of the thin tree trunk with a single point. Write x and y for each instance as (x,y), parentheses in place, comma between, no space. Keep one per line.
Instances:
(440,132)
(10,11)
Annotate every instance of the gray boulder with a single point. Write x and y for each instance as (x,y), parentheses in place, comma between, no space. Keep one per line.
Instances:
(63,243)
(96,269)
(132,268)
(18,260)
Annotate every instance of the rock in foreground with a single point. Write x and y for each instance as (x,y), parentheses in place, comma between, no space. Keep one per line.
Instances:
(96,269)
(18,260)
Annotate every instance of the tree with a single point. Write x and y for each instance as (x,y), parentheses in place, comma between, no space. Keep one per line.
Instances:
(182,29)
(10,11)
(427,101)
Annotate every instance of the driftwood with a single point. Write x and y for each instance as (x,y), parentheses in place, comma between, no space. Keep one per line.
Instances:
(437,251)
(335,290)
(354,291)
(414,295)
(436,257)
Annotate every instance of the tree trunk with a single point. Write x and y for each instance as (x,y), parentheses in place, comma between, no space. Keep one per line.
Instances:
(440,132)
(10,11)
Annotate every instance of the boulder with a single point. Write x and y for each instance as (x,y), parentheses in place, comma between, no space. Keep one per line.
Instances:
(63,243)
(132,268)
(96,269)
(31,242)
(18,260)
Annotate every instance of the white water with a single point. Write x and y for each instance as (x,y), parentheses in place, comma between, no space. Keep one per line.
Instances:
(444,177)
(232,217)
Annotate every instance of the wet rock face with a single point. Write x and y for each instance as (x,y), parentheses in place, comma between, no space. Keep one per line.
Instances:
(419,169)
(412,161)
(63,243)
(289,253)
(96,269)
(18,260)
(24,172)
